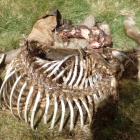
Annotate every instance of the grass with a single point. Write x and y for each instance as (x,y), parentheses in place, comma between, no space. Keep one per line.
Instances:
(17,19)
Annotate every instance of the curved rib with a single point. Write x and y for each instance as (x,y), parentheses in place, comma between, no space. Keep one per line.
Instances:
(11,94)
(63,114)
(45,65)
(19,97)
(51,67)
(4,93)
(58,66)
(5,80)
(34,109)
(80,111)
(26,104)
(85,75)
(9,68)
(86,82)
(71,115)
(90,81)
(86,107)
(55,112)
(46,110)
(60,74)
(95,97)
(75,71)
(89,99)
(70,74)
(80,74)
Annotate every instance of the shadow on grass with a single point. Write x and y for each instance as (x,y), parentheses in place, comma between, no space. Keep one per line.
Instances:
(120,121)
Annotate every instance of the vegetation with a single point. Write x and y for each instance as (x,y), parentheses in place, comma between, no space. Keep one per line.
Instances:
(17,19)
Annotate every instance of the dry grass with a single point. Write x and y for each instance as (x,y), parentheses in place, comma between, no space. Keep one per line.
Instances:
(17,18)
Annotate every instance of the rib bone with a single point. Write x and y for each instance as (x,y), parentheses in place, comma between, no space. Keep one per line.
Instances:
(27,101)
(47,106)
(63,114)
(34,109)
(19,97)
(80,111)
(11,94)
(75,71)
(55,112)
(71,115)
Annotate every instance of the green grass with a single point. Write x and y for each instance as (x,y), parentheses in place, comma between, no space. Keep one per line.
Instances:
(17,18)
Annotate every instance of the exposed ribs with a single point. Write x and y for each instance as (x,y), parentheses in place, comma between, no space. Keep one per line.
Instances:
(76,82)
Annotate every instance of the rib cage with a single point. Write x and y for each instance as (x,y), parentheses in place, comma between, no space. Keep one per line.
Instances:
(75,83)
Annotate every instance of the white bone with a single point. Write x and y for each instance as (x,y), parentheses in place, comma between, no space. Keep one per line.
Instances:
(94,79)
(51,67)
(100,94)
(62,117)
(85,75)
(95,97)
(46,110)
(86,107)
(90,81)
(60,74)
(10,67)
(80,111)
(11,94)
(55,112)
(26,104)
(89,99)
(34,109)
(47,64)
(86,82)
(19,97)
(75,71)
(71,115)
(80,74)
(70,73)
(4,93)
(58,66)
(5,80)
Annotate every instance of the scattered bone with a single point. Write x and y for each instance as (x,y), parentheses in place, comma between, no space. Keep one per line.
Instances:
(131,30)
(105,27)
